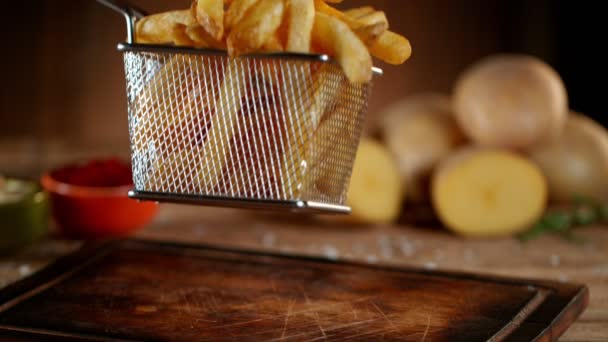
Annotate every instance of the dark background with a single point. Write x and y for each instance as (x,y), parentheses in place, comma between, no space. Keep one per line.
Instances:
(64,86)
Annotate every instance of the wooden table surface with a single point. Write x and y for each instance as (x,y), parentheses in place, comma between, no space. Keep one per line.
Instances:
(547,258)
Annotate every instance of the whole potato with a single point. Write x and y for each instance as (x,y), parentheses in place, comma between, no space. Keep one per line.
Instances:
(510,101)
(576,164)
(420,130)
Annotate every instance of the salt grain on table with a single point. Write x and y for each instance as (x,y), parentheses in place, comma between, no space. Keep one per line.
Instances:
(384,240)
(331,252)
(555,260)
(268,240)
(386,247)
(469,255)
(359,248)
(199,230)
(407,248)
(439,255)
(286,249)
(600,270)
(372,259)
(24,270)
(430,265)
(312,248)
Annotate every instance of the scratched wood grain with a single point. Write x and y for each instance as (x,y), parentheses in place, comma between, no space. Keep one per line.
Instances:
(136,290)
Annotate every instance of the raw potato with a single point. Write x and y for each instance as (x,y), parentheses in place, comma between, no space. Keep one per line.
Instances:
(511,101)
(488,193)
(375,194)
(576,164)
(420,131)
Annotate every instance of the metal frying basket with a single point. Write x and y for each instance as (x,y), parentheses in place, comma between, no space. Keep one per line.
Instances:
(261,131)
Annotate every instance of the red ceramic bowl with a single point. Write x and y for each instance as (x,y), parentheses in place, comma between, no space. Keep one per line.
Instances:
(96,212)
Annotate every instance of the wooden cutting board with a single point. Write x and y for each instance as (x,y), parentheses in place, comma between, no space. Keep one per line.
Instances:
(138,290)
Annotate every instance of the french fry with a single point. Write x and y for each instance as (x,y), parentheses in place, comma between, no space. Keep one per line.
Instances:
(369,34)
(273,44)
(301,19)
(154,92)
(261,23)
(215,152)
(298,159)
(322,7)
(391,48)
(334,37)
(180,37)
(248,26)
(368,31)
(169,113)
(237,10)
(374,18)
(210,15)
(358,12)
(257,149)
(159,28)
(202,38)
(330,135)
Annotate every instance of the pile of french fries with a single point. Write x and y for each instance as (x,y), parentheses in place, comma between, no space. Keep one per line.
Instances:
(300,26)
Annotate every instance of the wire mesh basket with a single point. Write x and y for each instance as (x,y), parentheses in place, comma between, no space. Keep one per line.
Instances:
(259,131)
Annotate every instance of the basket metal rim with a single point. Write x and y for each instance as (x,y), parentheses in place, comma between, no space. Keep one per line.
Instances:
(299,206)
(123,47)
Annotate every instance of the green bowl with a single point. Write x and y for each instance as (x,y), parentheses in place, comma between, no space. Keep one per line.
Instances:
(23,219)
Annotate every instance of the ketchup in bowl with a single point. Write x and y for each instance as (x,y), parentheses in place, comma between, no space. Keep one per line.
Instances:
(90,200)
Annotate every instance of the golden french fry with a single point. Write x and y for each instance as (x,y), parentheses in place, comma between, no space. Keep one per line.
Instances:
(166,113)
(158,28)
(374,18)
(323,7)
(237,10)
(155,98)
(215,152)
(301,19)
(368,31)
(358,12)
(335,38)
(258,148)
(273,44)
(180,37)
(260,24)
(327,130)
(391,48)
(298,155)
(201,38)
(210,15)
(383,44)
(334,1)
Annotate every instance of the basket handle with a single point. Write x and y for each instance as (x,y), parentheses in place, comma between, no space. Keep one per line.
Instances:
(129,12)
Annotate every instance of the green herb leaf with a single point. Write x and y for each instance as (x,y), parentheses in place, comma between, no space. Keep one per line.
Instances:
(603,211)
(585,216)
(577,239)
(557,222)
(586,211)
